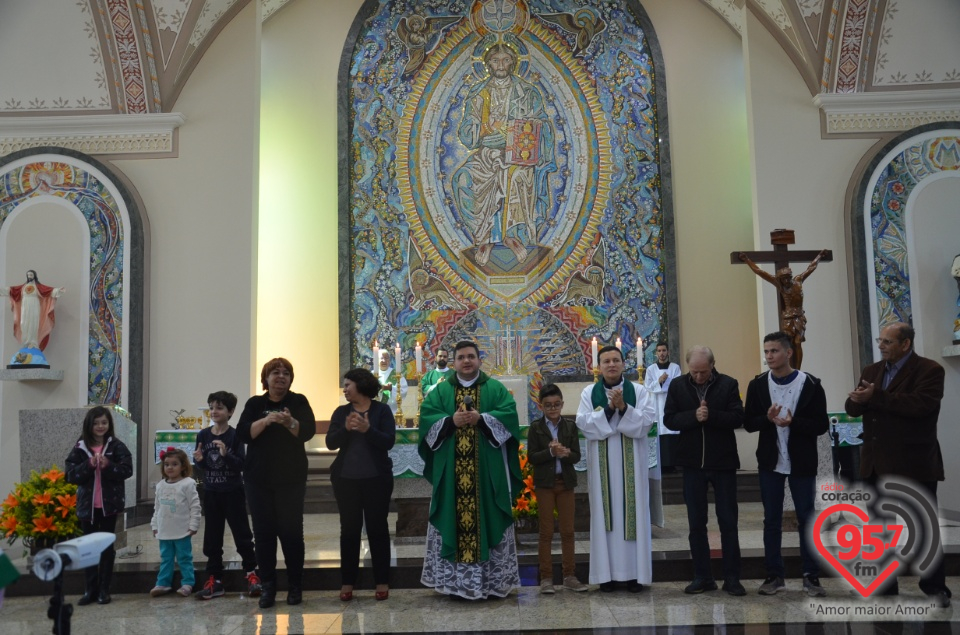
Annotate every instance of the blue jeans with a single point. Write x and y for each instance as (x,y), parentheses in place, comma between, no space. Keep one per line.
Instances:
(695,482)
(182,551)
(771,493)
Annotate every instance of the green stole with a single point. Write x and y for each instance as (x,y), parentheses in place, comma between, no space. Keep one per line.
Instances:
(599,398)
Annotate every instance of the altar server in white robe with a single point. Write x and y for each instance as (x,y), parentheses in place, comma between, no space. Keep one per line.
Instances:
(615,417)
(657,382)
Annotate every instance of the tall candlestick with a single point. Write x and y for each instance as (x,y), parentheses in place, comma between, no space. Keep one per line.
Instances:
(418,355)
(376,357)
(619,344)
(639,353)
(396,355)
(594,348)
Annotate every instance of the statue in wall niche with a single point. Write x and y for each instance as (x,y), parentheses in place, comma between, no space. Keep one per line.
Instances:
(955,272)
(32,304)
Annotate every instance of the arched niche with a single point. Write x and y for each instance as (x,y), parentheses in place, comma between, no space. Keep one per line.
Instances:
(113,275)
(884,232)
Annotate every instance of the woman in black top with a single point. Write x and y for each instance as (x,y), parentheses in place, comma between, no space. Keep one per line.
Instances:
(275,425)
(363,431)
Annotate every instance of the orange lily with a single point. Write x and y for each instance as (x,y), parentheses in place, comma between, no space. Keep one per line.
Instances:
(68,503)
(43,524)
(53,475)
(42,499)
(9,524)
(11,502)
(529,484)
(523,504)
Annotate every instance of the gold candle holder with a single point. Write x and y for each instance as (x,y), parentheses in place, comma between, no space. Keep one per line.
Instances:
(401,422)
(416,420)
(596,374)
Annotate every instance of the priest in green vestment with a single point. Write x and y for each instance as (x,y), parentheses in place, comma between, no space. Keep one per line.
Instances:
(469,442)
(438,374)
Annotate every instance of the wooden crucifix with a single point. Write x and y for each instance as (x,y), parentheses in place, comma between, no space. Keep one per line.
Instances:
(793,321)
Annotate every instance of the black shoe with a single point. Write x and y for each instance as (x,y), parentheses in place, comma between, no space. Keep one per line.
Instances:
(294,595)
(88,597)
(699,585)
(608,587)
(268,595)
(733,587)
(106,575)
(634,587)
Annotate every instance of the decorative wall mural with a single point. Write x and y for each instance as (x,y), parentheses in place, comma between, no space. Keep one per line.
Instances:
(887,229)
(102,213)
(505,181)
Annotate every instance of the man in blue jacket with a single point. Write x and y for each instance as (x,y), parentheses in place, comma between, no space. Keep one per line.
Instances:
(789,409)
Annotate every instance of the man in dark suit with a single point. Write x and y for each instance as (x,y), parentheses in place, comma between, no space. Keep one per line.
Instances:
(899,401)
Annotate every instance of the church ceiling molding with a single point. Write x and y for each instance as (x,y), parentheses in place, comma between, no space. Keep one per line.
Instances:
(918,53)
(873,113)
(70,31)
(144,136)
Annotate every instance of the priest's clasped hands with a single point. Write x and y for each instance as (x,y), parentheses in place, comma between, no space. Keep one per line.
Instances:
(464,417)
(615,399)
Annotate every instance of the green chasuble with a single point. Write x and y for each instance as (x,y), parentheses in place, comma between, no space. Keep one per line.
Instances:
(472,502)
(434,377)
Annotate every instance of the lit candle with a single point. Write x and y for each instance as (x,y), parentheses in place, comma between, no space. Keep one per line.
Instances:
(594,349)
(639,353)
(619,344)
(418,353)
(396,355)
(376,357)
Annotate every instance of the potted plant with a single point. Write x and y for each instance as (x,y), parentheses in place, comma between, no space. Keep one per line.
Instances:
(41,511)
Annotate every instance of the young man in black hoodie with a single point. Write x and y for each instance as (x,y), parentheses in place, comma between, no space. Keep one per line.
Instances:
(789,409)
(705,407)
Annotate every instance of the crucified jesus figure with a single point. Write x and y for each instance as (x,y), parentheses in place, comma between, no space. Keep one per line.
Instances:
(793,321)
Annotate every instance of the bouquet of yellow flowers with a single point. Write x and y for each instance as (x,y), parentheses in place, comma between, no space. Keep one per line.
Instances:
(43,507)
(526,503)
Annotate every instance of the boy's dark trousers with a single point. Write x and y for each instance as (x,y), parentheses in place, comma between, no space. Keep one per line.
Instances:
(220,509)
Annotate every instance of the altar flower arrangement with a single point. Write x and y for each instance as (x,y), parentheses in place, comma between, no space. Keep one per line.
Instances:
(526,503)
(43,508)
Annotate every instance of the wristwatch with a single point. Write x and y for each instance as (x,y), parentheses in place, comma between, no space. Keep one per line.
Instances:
(294,424)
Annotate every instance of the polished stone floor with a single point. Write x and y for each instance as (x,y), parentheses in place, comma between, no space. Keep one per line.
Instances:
(661,608)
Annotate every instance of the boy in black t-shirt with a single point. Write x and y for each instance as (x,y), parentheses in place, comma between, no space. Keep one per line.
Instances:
(221,454)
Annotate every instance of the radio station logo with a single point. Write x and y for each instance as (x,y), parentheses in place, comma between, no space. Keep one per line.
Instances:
(865,543)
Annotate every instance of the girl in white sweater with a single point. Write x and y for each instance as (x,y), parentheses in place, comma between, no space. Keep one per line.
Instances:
(176,518)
